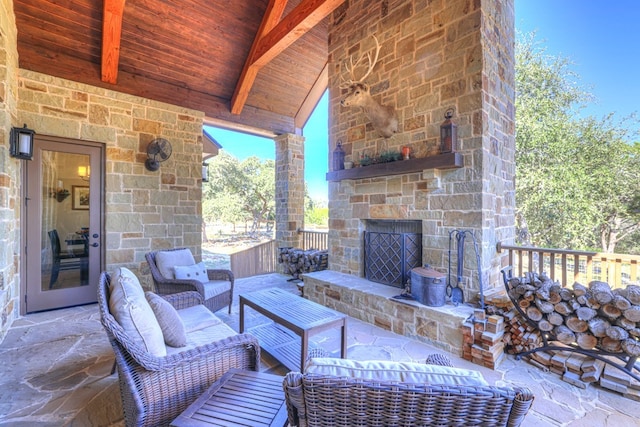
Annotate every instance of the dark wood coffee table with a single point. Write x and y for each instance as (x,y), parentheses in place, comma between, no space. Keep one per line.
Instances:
(238,398)
(295,319)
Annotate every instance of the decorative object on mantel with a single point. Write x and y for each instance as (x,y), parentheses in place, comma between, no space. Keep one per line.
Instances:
(383,117)
(338,157)
(406,153)
(448,134)
(384,157)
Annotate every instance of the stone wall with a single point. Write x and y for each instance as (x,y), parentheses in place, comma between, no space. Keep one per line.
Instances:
(9,172)
(289,190)
(374,303)
(434,55)
(143,210)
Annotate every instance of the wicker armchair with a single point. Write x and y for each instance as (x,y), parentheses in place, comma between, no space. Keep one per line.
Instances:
(165,285)
(319,400)
(155,390)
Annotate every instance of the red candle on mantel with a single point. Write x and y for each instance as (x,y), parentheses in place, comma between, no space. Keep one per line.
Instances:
(405,152)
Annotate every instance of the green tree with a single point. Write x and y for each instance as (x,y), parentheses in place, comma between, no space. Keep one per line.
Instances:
(576,179)
(237,191)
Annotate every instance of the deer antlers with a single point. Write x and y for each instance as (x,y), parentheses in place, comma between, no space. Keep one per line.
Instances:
(351,68)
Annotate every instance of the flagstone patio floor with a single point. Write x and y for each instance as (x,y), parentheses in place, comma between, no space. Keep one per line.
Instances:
(55,371)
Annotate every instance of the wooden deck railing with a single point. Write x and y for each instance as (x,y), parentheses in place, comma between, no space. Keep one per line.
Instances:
(567,266)
(260,259)
(314,239)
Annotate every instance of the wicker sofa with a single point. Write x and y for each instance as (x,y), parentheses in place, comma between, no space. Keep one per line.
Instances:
(215,285)
(338,392)
(155,388)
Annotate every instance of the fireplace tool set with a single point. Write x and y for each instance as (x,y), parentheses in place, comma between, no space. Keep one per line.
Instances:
(455,292)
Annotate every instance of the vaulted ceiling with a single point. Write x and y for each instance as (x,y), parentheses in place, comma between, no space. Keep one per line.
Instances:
(253,65)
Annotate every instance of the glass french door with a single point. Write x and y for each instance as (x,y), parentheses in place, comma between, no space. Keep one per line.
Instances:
(63,219)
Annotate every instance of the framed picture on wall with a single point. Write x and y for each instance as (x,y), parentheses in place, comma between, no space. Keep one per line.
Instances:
(80,196)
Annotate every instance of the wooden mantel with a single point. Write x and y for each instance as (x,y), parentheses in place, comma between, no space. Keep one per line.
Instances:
(440,161)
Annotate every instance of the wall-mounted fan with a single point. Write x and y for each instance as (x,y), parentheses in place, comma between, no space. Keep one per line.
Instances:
(158,151)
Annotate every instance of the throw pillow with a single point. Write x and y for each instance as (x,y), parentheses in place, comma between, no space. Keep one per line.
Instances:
(192,272)
(166,260)
(170,323)
(131,310)
(404,372)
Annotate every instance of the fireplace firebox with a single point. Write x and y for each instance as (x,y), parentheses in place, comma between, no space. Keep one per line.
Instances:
(391,249)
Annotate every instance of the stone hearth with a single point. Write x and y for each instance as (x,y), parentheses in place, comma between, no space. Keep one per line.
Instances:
(372,302)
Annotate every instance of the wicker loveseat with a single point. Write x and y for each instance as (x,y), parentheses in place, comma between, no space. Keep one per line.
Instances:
(336,393)
(215,285)
(157,388)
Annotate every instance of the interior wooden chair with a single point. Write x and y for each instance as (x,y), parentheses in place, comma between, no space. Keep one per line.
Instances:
(72,260)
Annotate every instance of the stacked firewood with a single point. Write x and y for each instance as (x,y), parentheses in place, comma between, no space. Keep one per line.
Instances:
(483,339)
(298,261)
(521,335)
(593,316)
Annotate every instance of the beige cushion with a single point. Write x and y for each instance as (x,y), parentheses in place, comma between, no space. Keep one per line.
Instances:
(204,336)
(170,323)
(197,317)
(131,310)
(215,287)
(192,272)
(404,372)
(167,260)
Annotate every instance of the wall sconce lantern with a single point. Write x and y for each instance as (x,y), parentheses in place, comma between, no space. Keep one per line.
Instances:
(205,172)
(84,172)
(448,134)
(21,143)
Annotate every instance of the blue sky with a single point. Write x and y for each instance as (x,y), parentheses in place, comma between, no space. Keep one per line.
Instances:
(601,39)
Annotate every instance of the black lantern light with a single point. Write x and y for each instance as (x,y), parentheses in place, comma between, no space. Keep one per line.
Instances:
(338,157)
(21,143)
(205,172)
(448,134)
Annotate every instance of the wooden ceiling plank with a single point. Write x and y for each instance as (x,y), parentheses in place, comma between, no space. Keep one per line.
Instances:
(111,36)
(313,97)
(272,16)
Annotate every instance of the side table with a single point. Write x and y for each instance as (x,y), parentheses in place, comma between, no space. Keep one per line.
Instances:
(238,398)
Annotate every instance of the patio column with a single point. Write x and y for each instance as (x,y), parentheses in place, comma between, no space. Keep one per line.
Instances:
(289,189)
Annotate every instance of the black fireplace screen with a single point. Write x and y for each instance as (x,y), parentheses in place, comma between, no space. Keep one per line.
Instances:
(390,256)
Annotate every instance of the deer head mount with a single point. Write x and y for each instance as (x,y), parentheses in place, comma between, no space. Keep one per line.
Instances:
(383,117)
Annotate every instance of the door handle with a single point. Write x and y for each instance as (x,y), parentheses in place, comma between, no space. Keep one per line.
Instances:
(95,245)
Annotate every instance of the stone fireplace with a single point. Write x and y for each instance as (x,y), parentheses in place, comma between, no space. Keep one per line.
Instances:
(434,56)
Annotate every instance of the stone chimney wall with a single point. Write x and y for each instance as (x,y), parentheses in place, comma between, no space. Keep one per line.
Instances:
(9,172)
(434,56)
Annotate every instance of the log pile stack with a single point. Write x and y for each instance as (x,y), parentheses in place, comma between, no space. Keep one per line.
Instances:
(521,335)
(298,261)
(483,339)
(594,317)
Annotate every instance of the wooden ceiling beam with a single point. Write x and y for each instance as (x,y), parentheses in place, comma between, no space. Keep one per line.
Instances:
(269,44)
(111,35)
(272,16)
